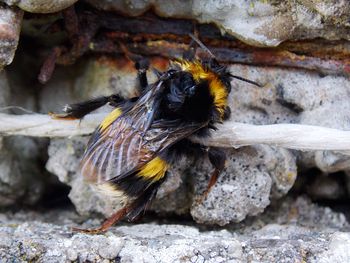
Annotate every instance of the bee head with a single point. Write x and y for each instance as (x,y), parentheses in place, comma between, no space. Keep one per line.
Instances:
(208,77)
(180,88)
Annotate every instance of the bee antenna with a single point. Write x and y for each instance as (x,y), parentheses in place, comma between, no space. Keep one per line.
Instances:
(246,80)
(200,43)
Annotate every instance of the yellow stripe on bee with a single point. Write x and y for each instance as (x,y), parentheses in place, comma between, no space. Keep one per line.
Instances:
(154,170)
(110,118)
(216,87)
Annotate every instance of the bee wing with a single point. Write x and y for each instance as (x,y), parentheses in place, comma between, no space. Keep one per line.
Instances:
(115,151)
(132,140)
(164,133)
(117,148)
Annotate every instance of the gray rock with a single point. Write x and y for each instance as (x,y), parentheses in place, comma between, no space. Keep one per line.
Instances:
(263,23)
(292,96)
(11,180)
(244,187)
(10,27)
(253,175)
(177,8)
(306,214)
(41,6)
(24,235)
(19,172)
(91,78)
(338,251)
(284,98)
(64,160)
(330,161)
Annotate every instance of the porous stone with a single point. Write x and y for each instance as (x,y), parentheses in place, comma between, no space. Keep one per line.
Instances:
(294,96)
(338,251)
(25,235)
(253,175)
(92,78)
(10,27)
(288,96)
(245,186)
(41,6)
(65,155)
(303,212)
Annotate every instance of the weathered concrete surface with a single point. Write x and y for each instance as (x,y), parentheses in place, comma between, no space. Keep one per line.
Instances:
(30,236)
(294,96)
(254,175)
(245,187)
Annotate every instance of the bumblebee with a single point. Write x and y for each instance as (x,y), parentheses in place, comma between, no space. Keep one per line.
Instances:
(130,152)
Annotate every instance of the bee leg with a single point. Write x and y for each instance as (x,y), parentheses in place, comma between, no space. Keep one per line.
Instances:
(79,110)
(142,66)
(132,211)
(120,214)
(142,203)
(217,158)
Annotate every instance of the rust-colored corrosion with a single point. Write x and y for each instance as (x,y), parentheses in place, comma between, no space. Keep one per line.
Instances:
(97,32)
(71,23)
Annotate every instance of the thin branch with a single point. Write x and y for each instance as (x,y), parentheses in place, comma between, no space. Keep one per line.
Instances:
(292,136)
(229,134)
(41,125)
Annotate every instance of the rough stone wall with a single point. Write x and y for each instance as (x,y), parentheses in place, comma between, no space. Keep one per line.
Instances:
(309,91)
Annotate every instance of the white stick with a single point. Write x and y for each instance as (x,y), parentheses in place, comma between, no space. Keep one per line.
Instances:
(292,136)
(229,134)
(41,125)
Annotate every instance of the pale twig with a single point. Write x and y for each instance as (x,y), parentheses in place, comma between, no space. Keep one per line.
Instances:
(42,125)
(229,134)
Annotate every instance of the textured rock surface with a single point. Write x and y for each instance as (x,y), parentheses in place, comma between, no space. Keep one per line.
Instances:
(244,188)
(64,161)
(292,96)
(10,26)
(91,78)
(288,96)
(249,193)
(48,238)
(19,173)
(252,175)
(255,22)
(41,6)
